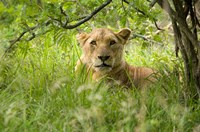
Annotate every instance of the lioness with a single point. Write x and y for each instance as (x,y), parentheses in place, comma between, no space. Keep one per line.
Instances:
(103,56)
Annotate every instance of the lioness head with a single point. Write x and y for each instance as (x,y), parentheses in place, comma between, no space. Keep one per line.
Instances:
(103,48)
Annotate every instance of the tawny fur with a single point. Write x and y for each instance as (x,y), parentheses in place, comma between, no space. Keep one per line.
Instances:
(104,42)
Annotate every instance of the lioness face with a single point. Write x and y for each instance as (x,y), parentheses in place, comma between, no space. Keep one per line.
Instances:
(102,48)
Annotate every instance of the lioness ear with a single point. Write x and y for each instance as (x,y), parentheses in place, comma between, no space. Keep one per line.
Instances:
(125,33)
(82,37)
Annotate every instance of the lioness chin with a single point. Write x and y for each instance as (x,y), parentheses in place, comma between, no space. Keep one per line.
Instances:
(103,56)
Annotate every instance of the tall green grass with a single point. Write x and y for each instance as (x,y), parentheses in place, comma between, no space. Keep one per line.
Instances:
(39,91)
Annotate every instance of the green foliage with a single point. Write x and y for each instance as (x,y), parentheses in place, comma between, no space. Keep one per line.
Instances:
(39,90)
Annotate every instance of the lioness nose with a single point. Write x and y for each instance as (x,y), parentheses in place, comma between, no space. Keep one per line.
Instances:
(103,58)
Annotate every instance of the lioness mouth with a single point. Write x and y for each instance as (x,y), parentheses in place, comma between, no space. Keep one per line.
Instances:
(103,65)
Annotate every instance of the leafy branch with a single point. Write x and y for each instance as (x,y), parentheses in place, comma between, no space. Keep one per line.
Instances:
(64,25)
(28,30)
(142,12)
(84,19)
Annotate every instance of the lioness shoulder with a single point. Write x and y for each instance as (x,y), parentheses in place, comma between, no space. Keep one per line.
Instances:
(103,52)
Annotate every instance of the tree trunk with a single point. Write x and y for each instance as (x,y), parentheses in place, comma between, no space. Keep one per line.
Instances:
(185,24)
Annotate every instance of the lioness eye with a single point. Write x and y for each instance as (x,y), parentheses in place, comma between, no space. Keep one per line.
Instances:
(112,42)
(93,42)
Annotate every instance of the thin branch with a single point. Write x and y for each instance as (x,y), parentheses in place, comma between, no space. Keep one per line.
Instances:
(153,3)
(125,1)
(157,26)
(12,42)
(134,35)
(62,11)
(137,9)
(123,6)
(89,16)
(82,19)
(32,37)
(66,16)
(30,29)
(78,19)
(143,13)
(55,19)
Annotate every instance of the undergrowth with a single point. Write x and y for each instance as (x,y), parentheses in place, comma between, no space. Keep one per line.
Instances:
(39,91)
